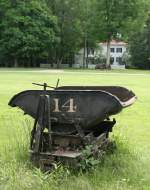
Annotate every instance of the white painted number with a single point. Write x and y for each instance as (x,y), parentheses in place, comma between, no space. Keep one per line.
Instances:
(56,100)
(69,104)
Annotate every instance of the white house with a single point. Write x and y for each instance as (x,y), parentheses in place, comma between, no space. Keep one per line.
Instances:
(117,50)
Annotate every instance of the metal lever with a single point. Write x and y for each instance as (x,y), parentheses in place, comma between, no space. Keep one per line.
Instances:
(57,83)
(44,85)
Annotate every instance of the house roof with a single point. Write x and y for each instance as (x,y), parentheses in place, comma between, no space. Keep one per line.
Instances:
(115,42)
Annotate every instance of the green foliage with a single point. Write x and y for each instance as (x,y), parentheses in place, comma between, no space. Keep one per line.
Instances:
(114,16)
(99,58)
(32,31)
(69,14)
(88,161)
(140,48)
(28,29)
(114,19)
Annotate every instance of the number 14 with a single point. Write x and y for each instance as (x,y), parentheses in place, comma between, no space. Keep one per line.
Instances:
(69,105)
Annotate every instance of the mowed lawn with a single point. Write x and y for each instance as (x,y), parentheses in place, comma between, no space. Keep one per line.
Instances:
(127,168)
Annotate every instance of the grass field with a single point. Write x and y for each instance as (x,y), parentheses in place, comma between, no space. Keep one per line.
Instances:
(128,168)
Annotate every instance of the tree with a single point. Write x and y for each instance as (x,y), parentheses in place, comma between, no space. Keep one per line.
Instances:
(28,29)
(32,30)
(68,14)
(114,18)
(76,28)
(87,19)
(140,47)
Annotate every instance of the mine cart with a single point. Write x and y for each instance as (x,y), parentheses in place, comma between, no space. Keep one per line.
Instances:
(69,118)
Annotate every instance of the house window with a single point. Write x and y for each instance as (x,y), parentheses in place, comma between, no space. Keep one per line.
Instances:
(119,60)
(111,60)
(119,50)
(112,50)
(90,51)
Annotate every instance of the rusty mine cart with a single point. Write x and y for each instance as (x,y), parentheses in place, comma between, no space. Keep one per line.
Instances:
(69,118)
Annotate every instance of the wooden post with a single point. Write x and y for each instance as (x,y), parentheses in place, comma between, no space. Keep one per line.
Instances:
(47,106)
(40,125)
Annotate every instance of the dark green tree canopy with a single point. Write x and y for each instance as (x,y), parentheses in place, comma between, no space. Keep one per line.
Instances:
(54,30)
(113,16)
(28,29)
(140,47)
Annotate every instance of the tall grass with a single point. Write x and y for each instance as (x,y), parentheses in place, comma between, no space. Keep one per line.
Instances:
(121,169)
(16,171)
(127,168)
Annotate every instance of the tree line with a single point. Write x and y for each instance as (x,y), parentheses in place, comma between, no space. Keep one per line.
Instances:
(52,31)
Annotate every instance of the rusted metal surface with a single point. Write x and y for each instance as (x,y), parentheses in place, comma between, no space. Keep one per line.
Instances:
(67,119)
(120,92)
(87,107)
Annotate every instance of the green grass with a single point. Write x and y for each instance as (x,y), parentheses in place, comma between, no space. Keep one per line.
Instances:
(128,168)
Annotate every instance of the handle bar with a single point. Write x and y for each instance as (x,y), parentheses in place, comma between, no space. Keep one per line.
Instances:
(46,86)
